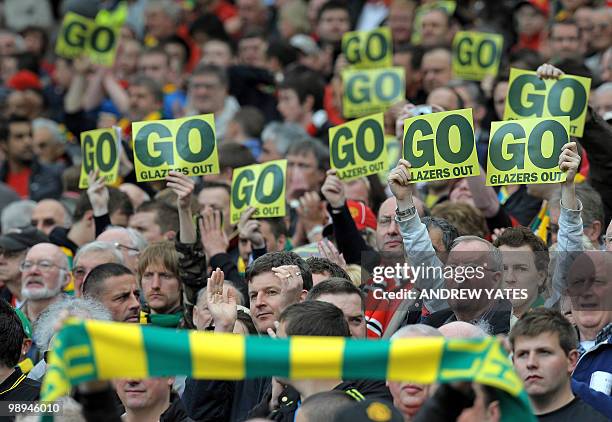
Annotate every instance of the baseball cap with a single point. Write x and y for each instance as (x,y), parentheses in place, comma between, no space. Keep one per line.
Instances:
(541,6)
(369,411)
(22,239)
(24,79)
(362,215)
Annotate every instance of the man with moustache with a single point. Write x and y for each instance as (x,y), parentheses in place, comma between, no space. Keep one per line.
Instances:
(44,273)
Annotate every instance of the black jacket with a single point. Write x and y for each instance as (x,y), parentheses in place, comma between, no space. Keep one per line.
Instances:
(498,317)
(17,387)
(289,399)
(596,141)
(446,404)
(223,401)
(45,180)
(104,406)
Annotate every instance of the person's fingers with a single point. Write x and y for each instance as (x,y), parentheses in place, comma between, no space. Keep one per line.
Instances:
(331,172)
(271,333)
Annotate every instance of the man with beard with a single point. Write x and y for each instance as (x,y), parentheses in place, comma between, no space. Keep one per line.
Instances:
(44,273)
(21,170)
(115,286)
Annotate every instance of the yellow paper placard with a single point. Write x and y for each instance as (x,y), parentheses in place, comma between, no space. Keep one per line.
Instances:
(448,6)
(187,145)
(441,146)
(261,186)
(357,148)
(100,150)
(371,91)
(368,49)
(79,35)
(526,151)
(529,96)
(476,54)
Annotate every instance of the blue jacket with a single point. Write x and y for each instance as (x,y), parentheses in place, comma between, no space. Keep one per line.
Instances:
(592,377)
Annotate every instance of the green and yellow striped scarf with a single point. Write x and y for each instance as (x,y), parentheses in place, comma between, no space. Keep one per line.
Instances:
(96,350)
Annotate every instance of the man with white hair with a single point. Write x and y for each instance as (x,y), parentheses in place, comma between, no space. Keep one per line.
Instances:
(44,273)
(127,241)
(45,327)
(408,397)
(90,256)
(48,141)
(602,101)
(17,214)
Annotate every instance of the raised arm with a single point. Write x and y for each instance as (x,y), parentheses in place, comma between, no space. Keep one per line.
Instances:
(569,239)
(418,248)
(183,187)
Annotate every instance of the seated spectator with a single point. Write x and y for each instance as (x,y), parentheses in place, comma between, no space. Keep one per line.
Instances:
(409,397)
(115,287)
(342,293)
(156,221)
(48,214)
(14,386)
(46,325)
(21,169)
(544,356)
(89,257)
(526,262)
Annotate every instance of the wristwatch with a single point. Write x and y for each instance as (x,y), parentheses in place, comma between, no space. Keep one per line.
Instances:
(410,212)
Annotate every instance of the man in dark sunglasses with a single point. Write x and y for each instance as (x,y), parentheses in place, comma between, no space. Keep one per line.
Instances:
(48,214)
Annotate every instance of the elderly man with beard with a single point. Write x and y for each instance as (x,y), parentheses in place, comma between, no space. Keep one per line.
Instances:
(44,273)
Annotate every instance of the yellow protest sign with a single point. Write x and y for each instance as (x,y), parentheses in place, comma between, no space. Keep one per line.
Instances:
(441,146)
(371,91)
(357,148)
(79,35)
(529,96)
(447,6)
(368,49)
(187,145)
(100,150)
(476,54)
(261,186)
(526,151)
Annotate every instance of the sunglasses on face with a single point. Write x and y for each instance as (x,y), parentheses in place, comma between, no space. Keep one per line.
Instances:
(46,222)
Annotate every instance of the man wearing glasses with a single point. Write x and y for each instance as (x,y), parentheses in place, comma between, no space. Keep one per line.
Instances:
(127,241)
(44,273)
(13,249)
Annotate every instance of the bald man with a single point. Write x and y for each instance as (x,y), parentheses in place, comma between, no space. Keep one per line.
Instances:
(44,273)
(48,214)
(461,329)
